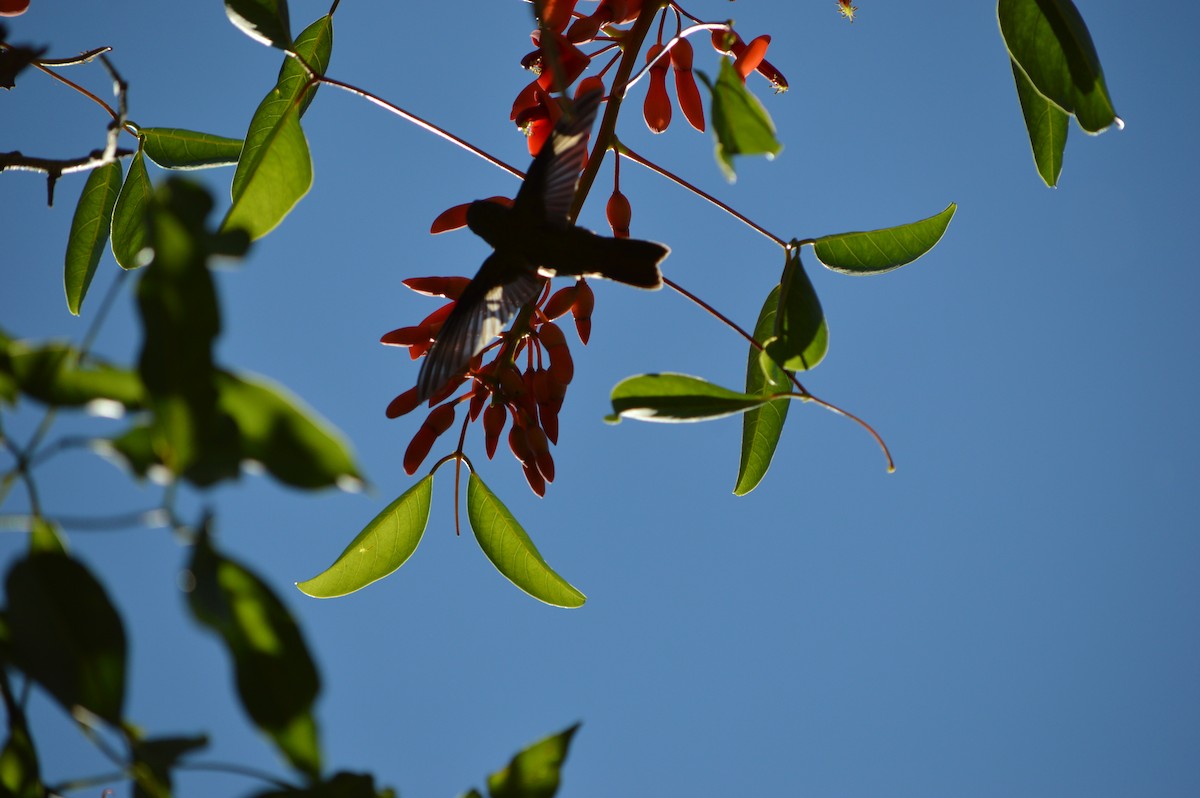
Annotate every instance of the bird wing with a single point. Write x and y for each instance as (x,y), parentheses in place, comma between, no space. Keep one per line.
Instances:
(489,302)
(549,186)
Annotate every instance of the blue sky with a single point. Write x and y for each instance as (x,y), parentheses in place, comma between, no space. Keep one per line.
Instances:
(1014,611)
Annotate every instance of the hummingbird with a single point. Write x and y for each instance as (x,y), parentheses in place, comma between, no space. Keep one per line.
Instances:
(533,241)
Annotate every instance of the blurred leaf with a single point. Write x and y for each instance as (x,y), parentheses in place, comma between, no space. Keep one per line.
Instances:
(801,334)
(676,397)
(175,148)
(509,548)
(471,793)
(45,538)
(380,548)
(51,374)
(89,231)
(292,442)
(264,21)
(275,169)
(276,678)
(129,236)
(153,760)
(878,251)
(762,425)
(20,775)
(740,124)
(1047,126)
(339,785)
(1051,44)
(134,450)
(66,634)
(535,771)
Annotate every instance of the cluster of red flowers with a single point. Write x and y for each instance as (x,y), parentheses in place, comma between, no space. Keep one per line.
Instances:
(500,390)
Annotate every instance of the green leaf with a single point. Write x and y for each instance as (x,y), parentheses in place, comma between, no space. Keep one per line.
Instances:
(129,238)
(180,322)
(878,251)
(741,126)
(1051,44)
(66,634)
(276,678)
(291,441)
(264,21)
(45,538)
(153,760)
(509,548)
(676,397)
(175,148)
(89,231)
(275,169)
(535,771)
(1047,126)
(380,548)
(339,785)
(801,334)
(19,770)
(52,374)
(762,425)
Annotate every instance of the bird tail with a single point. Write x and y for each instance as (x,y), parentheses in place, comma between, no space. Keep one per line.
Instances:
(626,260)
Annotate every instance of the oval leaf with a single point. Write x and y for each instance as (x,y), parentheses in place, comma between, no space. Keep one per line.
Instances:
(53,375)
(879,251)
(129,221)
(264,21)
(762,425)
(1050,43)
(741,126)
(272,175)
(383,546)
(535,771)
(175,148)
(801,334)
(89,231)
(676,397)
(1047,127)
(509,548)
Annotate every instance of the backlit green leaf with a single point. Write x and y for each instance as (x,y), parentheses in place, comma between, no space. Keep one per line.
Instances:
(1047,126)
(878,251)
(741,126)
(762,425)
(264,21)
(153,761)
(801,334)
(380,548)
(45,537)
(1050,43)
(276,678)
(89,231)
(175,148)
(129,236)
(66,634)
(509,548)
(535,772)
(676,397)
(51,373)
(19,771)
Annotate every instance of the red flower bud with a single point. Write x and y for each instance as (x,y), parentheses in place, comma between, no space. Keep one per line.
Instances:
(435,424)
(686,90)
(748,60)
(657,107)
(727,42)
(559,303)
(540,449)
(590,83)
(585,300)
(493,423)
(402,404)
(619,214)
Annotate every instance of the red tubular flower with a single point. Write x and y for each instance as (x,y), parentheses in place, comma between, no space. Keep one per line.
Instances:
(657,107)
(748,60)
(407,336)
(686,90)
(494,417)
(559,303)
(561,366)
(567,64)
(402,404)
(540,448)
(768,71)
(418,449)
(619,214)
(555,14)
(585,300)
(449,287)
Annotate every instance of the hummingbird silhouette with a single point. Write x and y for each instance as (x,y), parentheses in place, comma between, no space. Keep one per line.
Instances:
(533,241)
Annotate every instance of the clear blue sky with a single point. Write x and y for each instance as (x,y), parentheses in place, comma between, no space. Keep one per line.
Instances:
(1015,611)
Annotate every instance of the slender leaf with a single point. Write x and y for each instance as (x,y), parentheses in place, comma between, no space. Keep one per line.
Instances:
(264,21)
(509,548)
(129,236)
(52,374)
(676,397)
(315,46)
(741,126)
(536,771)
(89,231)
(276,678)
(20,774)
(1050,42)
(291,441)
(801,334)
(878,251)
(154,759)
(1047,126)
(762,425)
(66,634)
(175,148)
(380,548)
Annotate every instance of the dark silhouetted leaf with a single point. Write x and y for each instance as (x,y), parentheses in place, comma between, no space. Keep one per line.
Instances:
(1047,126)
(339,785)
(762,425)
(383,546)
(89,231)
(676,397)
(276,678)
(51,374)
(509,548)
(878,251)
(264,21)
(740,124)
(534,772)
(66,635)
(15,58)
(801,334)
(175,148)
(129,237)
(153,761)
